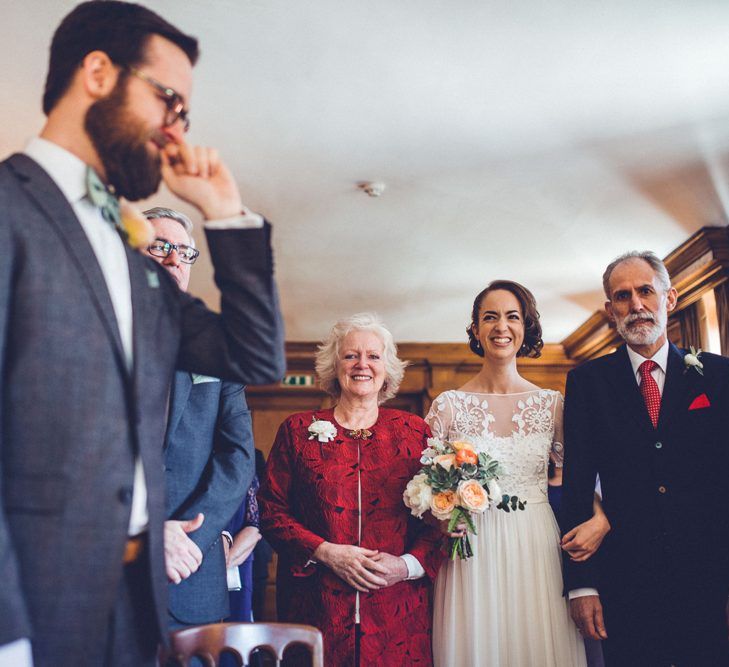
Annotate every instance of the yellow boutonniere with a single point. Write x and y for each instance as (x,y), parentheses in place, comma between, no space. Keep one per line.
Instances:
(139,231)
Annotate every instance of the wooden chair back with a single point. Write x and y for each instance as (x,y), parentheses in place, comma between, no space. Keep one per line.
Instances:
(206,642)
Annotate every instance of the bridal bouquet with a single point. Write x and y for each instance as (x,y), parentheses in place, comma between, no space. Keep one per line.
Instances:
(454,483)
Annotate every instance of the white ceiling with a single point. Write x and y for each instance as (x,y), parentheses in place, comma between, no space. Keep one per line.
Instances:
(528,140)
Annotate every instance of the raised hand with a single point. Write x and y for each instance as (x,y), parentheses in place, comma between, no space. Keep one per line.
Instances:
(355,565)
(182,555)
(197,175)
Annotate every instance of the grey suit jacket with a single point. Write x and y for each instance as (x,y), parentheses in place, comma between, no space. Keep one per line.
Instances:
(73,417)
(209,465)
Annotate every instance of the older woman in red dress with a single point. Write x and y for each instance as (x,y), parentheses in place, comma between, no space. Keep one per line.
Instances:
(352,561)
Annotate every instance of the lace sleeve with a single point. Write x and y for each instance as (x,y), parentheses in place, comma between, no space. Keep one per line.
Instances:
(252,514)
(440,416)
(557,451)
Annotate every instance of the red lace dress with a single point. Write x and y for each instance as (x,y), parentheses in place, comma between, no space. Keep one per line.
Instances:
(310,494)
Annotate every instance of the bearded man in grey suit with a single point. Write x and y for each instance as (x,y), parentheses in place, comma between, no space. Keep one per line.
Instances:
(209,459)
(91,331)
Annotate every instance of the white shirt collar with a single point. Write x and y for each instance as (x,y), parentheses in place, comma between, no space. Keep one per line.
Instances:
(660,357)
(67,171)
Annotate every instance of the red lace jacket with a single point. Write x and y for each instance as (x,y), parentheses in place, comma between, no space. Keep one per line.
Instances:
(309,494)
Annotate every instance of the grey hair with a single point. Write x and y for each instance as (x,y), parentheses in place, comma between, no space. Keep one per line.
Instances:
(159,212)
(327,355)
(650,258)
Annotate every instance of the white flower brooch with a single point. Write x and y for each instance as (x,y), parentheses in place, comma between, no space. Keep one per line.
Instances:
(691,360)
(322,430)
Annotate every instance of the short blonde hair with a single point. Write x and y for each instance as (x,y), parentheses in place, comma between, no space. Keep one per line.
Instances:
(327,355)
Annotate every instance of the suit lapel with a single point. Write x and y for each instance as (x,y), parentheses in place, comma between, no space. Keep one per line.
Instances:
(674,389)
(626,390)
(181,387)
(145,289)
(49,199)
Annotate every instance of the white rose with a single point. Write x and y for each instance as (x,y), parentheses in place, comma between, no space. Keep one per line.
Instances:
(417,495)
(322,430)
(495,492)
(692,360)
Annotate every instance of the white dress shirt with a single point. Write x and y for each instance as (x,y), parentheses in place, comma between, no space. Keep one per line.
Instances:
(659,375)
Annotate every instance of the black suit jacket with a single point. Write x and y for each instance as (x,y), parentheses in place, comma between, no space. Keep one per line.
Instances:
(74,418)
(209,465)
(664,489)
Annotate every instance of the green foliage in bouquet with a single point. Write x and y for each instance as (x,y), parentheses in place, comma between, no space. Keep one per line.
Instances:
(440,478)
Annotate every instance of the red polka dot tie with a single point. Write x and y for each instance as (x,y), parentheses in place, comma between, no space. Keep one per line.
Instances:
(649,389)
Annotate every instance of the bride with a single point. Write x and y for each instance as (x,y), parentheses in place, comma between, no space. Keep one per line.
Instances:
(504,606)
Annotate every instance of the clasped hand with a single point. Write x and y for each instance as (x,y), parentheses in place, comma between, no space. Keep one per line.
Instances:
(363,569)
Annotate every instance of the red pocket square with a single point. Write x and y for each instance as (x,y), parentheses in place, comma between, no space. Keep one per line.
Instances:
(699,402)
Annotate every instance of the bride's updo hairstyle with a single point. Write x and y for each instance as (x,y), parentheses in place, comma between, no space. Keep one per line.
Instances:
(533,343)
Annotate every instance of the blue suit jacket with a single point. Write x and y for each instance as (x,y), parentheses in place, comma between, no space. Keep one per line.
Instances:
(663,488)
(209,465)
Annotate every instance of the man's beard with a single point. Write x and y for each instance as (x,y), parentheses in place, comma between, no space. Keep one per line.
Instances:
(121,143)
(646,334)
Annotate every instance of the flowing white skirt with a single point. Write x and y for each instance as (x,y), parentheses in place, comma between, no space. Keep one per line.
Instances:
(504,607)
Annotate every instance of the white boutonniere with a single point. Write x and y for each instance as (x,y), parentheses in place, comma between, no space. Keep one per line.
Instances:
(691,360)
(322,430)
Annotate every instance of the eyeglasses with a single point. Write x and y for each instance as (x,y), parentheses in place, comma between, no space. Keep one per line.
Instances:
(174,101)
(162,248)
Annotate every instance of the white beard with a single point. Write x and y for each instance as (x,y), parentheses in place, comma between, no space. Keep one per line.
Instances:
(645,335)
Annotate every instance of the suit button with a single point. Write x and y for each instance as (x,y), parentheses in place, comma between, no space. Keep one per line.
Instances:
(661,489)
(125,495)
(659,445)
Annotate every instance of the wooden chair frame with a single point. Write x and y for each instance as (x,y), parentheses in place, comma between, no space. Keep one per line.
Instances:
(206,642)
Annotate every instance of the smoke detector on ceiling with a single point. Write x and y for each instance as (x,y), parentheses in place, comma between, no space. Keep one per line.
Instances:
(372,188)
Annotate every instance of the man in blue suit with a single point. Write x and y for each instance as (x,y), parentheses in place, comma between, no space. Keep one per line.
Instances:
(208,455)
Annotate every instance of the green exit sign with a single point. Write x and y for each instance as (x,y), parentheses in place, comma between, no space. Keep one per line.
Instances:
(298,380)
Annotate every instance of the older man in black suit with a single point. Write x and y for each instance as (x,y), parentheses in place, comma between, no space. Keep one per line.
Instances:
(91,331)
(209,460)
(651,420)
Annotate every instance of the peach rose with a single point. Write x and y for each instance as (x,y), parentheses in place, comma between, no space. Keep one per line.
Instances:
(442,504)
(473,496)
(459,445)
(446,460)
(466,456)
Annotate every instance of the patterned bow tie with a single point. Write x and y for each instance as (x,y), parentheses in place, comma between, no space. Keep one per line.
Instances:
(102,197)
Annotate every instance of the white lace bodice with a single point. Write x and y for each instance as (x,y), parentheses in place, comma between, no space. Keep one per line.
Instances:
(522,431)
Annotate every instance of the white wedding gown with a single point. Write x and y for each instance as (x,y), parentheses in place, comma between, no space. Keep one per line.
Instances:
(504,607)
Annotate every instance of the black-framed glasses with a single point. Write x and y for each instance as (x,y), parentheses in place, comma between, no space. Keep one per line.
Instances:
(162,248)
(174,101)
